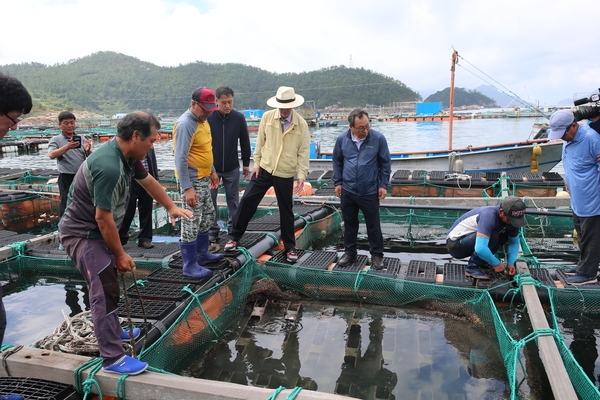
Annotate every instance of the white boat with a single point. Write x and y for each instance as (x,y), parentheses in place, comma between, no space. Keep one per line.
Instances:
(506,157)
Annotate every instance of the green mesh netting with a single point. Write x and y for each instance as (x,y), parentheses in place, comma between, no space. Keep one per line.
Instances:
(209,315)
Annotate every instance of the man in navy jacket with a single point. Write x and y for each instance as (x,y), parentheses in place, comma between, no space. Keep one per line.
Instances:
(228,127)
(361,173)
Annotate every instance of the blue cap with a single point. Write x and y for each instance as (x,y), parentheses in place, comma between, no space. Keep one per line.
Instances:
(559,122)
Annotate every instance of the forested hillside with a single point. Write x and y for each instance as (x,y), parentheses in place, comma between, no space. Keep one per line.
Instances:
(109,82)
(462,97)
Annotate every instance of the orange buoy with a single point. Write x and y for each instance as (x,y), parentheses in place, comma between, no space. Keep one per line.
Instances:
(306,191)
(195,322)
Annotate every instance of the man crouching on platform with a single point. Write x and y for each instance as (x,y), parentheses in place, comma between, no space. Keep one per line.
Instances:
(479,233)
(89,228)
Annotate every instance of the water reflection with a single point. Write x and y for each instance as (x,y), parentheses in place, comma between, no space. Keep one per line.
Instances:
(364,375)
(580,336)
(364,352)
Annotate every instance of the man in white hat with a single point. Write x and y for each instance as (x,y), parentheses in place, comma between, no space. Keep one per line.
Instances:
(580,161)
(282,151)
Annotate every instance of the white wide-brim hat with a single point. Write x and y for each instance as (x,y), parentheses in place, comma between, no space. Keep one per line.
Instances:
(285,98)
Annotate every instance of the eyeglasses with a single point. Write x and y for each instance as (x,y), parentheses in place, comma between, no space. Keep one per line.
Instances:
(362,128)
(14,121)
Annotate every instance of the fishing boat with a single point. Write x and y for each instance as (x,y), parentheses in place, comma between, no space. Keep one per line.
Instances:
(328,122)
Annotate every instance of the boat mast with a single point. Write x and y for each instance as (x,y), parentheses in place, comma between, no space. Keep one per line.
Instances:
(454,59)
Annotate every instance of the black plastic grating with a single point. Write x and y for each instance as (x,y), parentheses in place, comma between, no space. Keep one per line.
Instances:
(420,271)
(261,227)
(401,174)
(533,177)
(492,176)
(320,259)
(325,191)
(171,275)
(281,256)
(391,267)
(357,265)
(454,274)
(154,309)
(250,239)
(314,175)
(496,279)
(160,250)
(268,219)
(560,274)
(477,176)
(33,388)
(419,175)
(159,291)
(516,176)
(328,175)
(542,275)
(5,234)
(552,176)
(437,175)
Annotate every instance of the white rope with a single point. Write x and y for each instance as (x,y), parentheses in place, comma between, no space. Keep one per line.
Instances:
(75,335)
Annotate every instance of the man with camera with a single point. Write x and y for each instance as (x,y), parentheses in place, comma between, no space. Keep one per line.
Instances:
(69,151)
(580,155)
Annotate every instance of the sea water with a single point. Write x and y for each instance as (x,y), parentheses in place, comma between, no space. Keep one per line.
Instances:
(401,137)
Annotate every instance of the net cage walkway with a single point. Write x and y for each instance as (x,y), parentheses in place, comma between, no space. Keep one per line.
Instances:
(207,314)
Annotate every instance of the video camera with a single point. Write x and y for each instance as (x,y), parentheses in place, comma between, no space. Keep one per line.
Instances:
(590,111)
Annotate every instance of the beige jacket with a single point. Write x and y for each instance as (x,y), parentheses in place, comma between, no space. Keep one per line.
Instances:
(282,154)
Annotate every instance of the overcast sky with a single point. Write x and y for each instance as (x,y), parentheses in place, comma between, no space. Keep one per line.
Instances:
(543,51)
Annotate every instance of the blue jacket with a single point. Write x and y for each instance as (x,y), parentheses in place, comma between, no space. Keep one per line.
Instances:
(226,132)
(362,171)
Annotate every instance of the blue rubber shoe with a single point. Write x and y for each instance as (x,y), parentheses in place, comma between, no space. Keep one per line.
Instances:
(127,365)
(477,273)
(570,271)
(125,334)
(581,279)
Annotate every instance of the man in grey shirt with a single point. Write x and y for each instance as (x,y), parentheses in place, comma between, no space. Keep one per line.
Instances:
(69,151)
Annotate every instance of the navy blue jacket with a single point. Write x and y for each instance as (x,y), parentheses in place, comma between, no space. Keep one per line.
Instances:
(226,131)
(363,171)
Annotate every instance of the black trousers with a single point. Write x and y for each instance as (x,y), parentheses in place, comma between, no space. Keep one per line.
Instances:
(588,233)
(140,198)
(369,205)
(254,193)
(64,183)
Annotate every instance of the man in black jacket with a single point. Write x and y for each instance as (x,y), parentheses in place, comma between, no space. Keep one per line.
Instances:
(138,196)
(228,127)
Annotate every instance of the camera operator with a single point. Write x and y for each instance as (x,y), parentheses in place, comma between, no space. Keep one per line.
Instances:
(595,123)
(590,112)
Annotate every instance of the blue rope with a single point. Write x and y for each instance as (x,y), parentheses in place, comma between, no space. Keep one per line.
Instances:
(277,391)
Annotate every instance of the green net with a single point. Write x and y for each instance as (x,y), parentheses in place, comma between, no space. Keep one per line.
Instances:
(209,315)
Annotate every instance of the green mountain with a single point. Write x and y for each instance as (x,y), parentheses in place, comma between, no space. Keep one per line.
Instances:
(108,82)
(462,97)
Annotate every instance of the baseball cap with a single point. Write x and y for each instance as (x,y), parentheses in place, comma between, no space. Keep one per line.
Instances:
(206,98)
(514,208)
(559,122)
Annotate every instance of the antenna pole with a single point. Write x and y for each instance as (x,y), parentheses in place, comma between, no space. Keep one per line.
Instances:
(454,60)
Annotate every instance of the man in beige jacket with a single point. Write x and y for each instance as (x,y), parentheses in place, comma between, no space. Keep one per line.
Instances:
(282,151)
